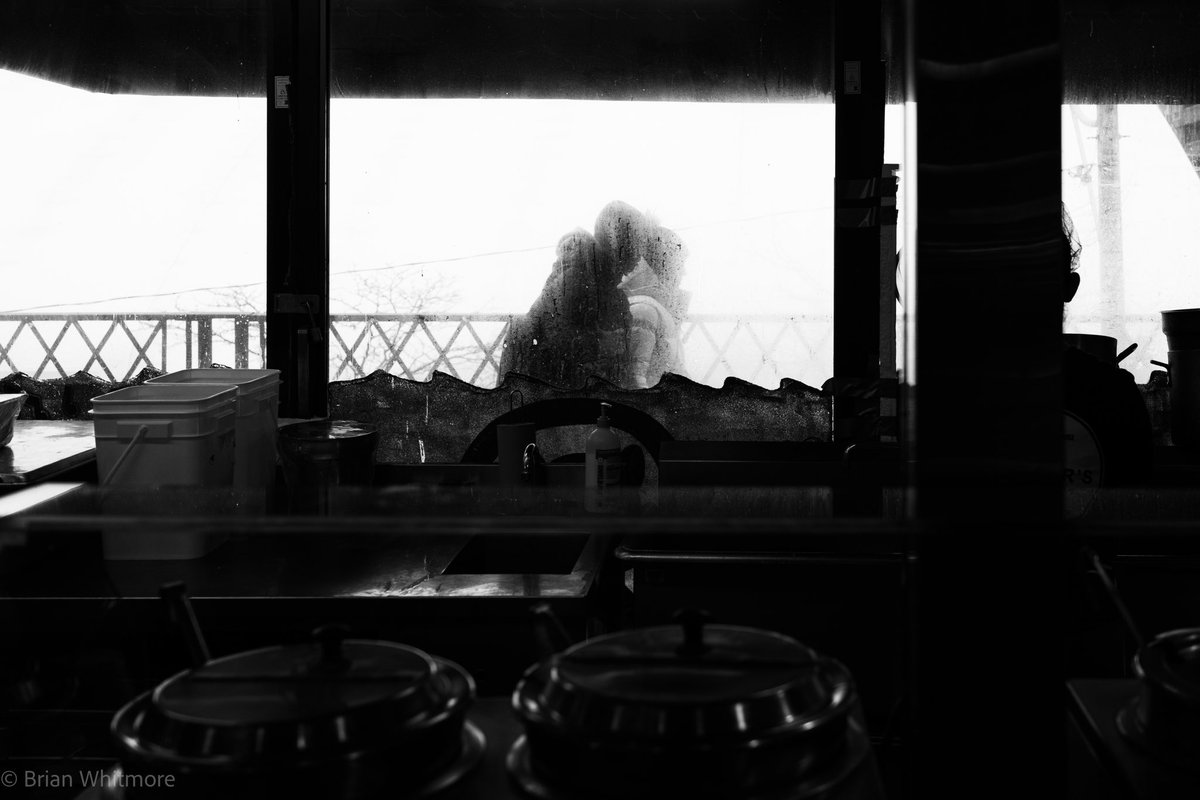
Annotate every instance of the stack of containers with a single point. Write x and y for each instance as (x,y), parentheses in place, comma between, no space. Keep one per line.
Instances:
(166,435)
(257,418)
(195,427)
(159,436)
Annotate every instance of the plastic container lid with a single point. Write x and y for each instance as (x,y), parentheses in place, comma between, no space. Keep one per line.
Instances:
(244,379)
(164,397)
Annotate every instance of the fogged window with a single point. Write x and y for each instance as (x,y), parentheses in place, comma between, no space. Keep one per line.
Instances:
(474,145)
(1133,194)
(133,230)
(465,235)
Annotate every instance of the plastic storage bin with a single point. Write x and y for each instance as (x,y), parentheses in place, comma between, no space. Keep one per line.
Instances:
(158,436)
(257,422)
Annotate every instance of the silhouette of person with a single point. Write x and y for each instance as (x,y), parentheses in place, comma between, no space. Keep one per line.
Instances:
(611,306)
(578,326)
(657,306)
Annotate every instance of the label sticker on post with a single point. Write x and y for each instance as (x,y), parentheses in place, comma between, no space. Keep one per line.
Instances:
(281,90)
(851,77)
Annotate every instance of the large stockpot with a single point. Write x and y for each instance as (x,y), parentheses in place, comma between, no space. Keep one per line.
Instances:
(1102,347)
(691,711)
(333,718)
(1164,718)
(318,456)
(1182,329)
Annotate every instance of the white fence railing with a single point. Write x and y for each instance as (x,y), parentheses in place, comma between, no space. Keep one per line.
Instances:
(761,349)
(757,348)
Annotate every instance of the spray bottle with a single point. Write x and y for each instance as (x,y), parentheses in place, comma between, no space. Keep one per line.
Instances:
(602,465)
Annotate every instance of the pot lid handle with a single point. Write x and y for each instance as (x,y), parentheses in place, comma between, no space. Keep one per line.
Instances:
(333,657)
(693,621)
(179,610)
(1111,588)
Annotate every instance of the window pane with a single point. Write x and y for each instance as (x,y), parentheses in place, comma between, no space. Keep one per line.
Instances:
(455,208)
(474,146)
(1133,195)
(134,172)
(151,207)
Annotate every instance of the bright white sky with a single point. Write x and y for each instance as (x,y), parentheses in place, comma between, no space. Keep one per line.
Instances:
(126,197)
(134,200)
(1160,206)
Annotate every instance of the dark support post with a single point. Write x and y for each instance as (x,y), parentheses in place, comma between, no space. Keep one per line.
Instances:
(989,694)
(298,204)
(859,93)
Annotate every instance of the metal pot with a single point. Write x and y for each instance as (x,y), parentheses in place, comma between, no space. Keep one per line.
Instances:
(332,718)
(1165,717)
(691,711)
(1182,329)
(1102,347)
(321,455)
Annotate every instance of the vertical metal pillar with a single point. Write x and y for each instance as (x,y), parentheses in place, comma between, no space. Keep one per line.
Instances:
(859,93)
(298,204)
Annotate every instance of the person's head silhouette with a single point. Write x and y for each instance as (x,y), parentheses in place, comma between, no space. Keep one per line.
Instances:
(1070,257)
(620,236)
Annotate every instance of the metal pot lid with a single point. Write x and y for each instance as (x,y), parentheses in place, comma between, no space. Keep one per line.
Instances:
(1172,661)
(328,438)
(697,683)
(330,696)
(327,430)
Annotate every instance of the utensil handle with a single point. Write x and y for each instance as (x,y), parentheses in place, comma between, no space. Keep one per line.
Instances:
(548,630)
(1111,588)
(179,609)
(137,437)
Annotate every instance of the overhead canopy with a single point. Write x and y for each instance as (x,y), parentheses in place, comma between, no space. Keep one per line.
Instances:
(595,49)
(1131,51)
(1122,51)
(163,47)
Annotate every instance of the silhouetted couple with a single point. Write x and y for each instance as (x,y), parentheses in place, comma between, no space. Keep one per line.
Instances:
(611,306)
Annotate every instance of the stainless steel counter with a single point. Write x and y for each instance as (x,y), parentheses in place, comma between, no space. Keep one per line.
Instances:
(43,450)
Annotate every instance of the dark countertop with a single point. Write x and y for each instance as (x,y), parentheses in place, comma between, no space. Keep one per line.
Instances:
(312,565)
(413,543)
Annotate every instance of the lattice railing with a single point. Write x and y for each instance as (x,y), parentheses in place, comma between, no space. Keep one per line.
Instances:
(757,348)
(415,345)
(117,346)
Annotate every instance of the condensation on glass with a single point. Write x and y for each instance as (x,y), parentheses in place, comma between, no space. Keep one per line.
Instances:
(619,192)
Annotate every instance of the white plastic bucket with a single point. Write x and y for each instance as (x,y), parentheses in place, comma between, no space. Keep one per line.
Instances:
(163,435)
(256,427)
